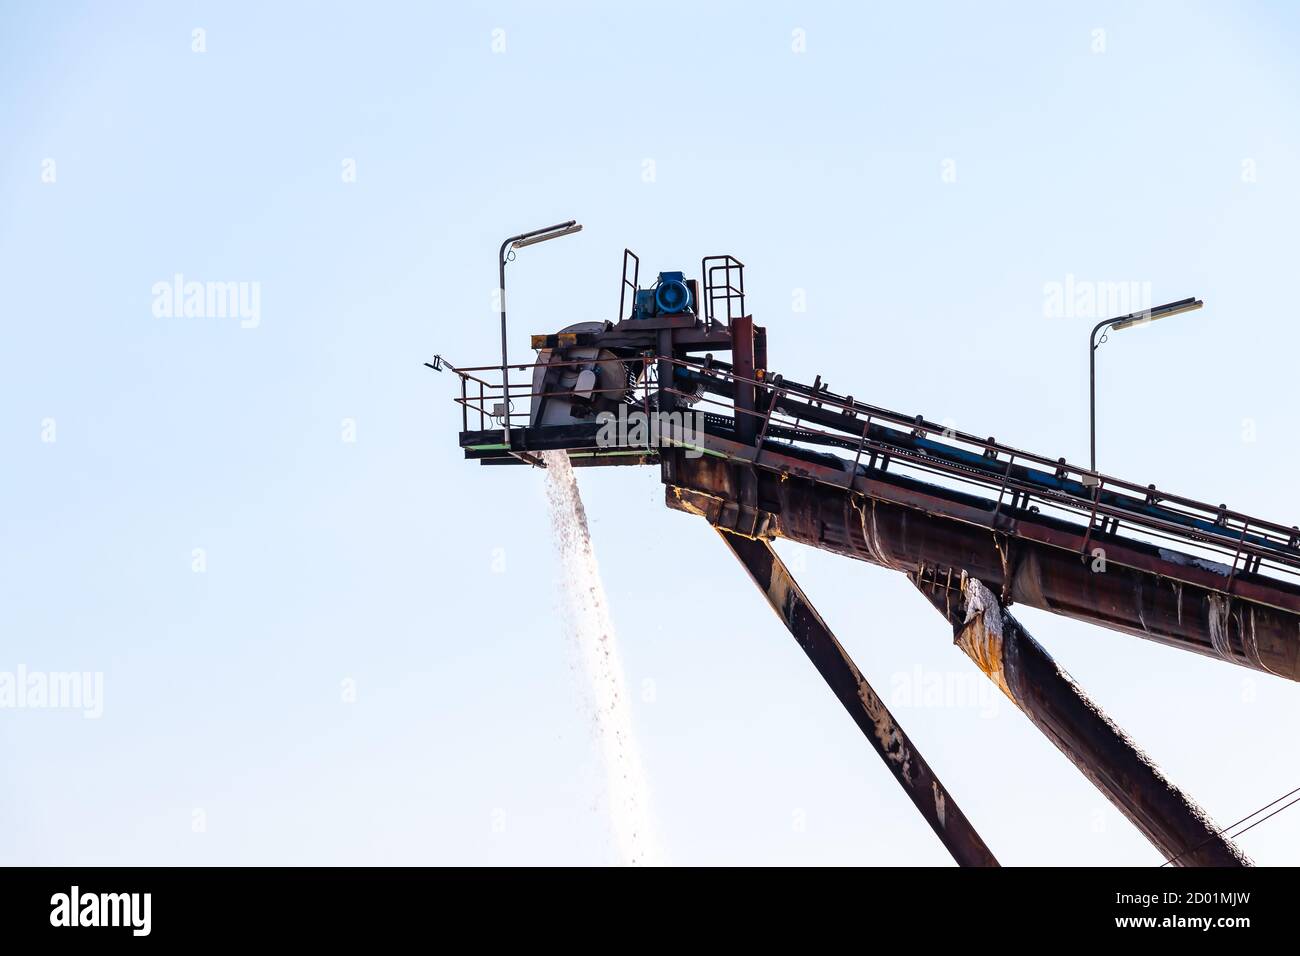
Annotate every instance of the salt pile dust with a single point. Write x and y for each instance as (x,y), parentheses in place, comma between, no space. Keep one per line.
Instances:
(588,617)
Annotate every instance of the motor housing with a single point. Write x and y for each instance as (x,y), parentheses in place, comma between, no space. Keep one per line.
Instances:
(670,295)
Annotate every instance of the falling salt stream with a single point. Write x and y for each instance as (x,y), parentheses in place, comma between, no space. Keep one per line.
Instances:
(587,615)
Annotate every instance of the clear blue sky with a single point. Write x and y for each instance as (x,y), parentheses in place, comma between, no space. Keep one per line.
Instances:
(430,582)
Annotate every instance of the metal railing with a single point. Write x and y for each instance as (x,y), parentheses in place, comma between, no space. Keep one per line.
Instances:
(730,289)
(792,413)
(1113,500)
(628,283)
(480,397)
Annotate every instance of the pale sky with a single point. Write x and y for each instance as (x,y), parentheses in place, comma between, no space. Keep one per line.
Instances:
(325,638)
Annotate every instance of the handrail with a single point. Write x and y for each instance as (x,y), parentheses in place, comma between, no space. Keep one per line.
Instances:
(1224,528)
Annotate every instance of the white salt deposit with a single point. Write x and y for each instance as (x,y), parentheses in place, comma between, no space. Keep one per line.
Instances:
(587,616)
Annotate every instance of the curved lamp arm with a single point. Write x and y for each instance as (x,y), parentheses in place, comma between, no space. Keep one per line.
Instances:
(518,242)
(1190,304)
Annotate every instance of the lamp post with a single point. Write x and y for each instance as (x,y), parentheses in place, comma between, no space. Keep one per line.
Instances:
(518,242)
(1119,323)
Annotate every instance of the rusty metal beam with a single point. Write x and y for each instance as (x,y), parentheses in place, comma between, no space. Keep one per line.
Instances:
(1134,593)
(742,358)
(1024,671)
(863,704)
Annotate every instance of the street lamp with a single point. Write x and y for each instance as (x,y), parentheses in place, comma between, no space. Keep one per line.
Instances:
(513,243)
(1118,323)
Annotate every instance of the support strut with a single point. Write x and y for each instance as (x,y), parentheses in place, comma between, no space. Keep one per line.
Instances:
(863,704)
(1024,671)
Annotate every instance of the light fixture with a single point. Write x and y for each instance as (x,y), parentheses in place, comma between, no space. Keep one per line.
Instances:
(1190,304)
(512,243)
(566,230)
(1159,312)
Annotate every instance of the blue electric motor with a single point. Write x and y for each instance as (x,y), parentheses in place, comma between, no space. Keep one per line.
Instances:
(672,295)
